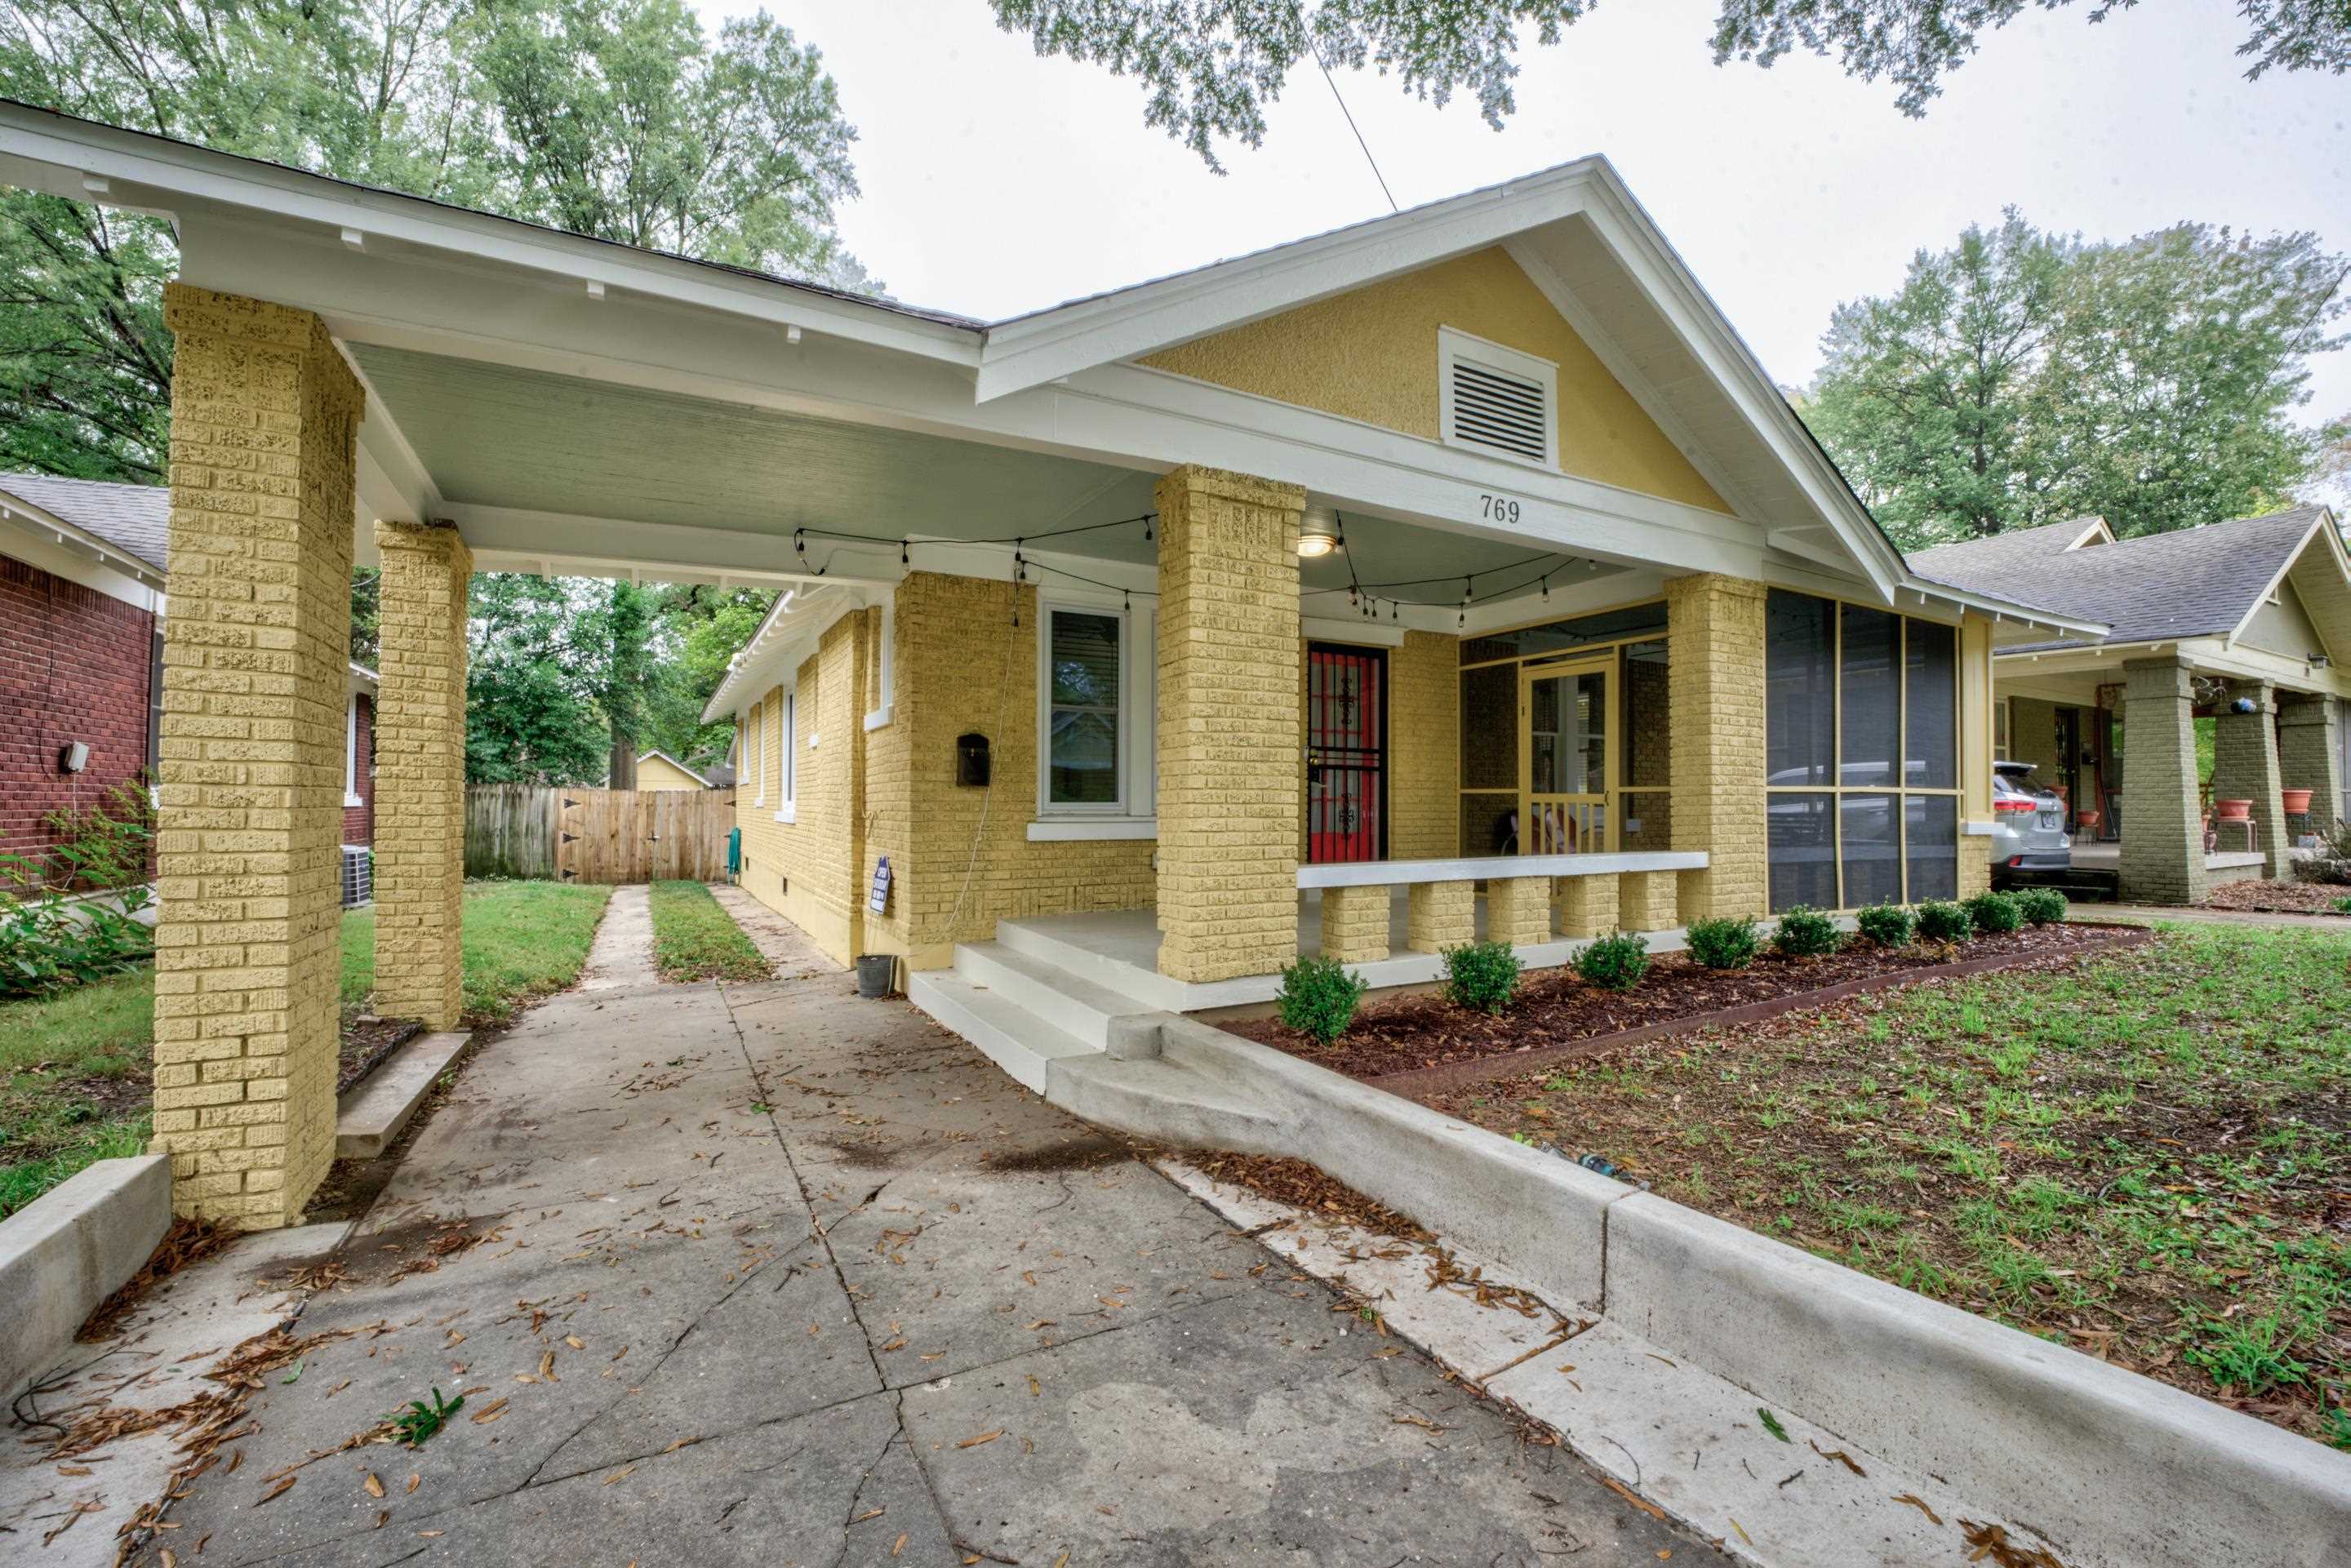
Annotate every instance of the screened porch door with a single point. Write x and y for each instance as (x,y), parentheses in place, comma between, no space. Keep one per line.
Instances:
(1567,760)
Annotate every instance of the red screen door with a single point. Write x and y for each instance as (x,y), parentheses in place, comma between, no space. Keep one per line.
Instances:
(1346,754)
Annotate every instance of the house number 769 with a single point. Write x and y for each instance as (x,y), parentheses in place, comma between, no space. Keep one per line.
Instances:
(1498,508)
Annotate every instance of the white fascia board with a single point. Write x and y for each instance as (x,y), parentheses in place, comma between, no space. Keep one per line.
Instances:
(2210,655)
(152,172)
(786,637)
(2336,552)
(1923,591)
(1031,351)
(43,527)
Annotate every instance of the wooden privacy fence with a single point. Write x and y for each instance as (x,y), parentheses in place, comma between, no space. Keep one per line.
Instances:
(597,835)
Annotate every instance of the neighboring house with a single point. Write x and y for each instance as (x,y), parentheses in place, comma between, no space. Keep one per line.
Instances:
(82,599)
(358,755)
(2244,623)
(1278,605)
(659,770)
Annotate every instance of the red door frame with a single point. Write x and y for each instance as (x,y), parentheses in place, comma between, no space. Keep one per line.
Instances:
(1346,754)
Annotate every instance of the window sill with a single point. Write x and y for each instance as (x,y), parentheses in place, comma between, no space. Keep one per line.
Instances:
(351,801)
(789,814)
(880,717)
(1056,829)
(1978,829)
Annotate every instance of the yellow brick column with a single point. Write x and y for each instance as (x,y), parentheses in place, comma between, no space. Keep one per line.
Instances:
(1648,900)
(265,415)
(1228,724)
(1441,915)
(1355,924)
(1587,906)
(1518,910)
(420,774)
(1715,684)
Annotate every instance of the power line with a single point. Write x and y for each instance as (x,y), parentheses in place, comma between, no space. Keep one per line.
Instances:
(1350,117)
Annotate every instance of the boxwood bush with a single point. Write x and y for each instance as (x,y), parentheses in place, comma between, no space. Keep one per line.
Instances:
(2043,906)
(1725,942)
(1481,975)
(1995,913)
(1887,925)
(1805,934)
(1941,921)
(1616,963)
(1319,997)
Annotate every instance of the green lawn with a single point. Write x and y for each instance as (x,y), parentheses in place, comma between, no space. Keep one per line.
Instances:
(695,939)
(74,1066)
(2146,1156)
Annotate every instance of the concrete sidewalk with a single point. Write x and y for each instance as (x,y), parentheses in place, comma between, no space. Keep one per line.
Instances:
(768,1274)
(2158,914)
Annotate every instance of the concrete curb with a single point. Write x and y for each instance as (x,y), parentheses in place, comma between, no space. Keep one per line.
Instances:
(2115,1469)
(1487,1069)
(71,1248)
(371,1114)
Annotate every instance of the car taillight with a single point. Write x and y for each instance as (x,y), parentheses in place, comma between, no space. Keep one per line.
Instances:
(2012,805)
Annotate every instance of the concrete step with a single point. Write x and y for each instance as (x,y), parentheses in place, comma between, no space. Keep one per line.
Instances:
(1007,1033)
(1169,1102)
(372,1113)
(1071,1002)
(1145,985)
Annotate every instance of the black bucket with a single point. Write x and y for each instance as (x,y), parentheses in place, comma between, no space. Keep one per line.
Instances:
(875,973)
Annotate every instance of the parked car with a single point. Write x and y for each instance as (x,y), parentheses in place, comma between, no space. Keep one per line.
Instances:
(2027,831)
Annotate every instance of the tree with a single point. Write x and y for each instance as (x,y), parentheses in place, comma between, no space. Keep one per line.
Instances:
(1209,67)
(621,121)
(2021,378)
(536,649)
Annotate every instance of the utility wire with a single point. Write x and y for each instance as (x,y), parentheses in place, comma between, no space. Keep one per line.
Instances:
(1350,117)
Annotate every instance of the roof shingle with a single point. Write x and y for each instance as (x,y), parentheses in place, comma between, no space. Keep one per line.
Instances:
(135,517)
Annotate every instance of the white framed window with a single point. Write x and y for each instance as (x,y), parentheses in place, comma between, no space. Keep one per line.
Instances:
(1095,718)
(787,768)
(755,760)
(1497,401)
(352,752)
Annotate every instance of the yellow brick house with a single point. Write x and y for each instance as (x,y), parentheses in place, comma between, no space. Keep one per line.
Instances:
(1458,571)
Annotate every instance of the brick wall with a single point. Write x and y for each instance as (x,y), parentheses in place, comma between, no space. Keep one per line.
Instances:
(1715,677)
(73,666)
(359,821)
(1424,746)
(808,868)
(420,867)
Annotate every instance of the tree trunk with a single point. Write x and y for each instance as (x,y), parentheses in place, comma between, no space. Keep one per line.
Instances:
(623,763)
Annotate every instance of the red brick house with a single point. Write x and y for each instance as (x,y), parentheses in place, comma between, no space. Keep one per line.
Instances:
(81,615)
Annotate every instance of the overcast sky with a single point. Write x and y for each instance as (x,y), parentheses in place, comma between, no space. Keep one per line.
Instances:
(996,182)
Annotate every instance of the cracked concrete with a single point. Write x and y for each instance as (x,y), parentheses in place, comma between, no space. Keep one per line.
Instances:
(773,1275)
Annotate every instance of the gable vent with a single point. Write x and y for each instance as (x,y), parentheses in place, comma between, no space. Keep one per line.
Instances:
(1497,400)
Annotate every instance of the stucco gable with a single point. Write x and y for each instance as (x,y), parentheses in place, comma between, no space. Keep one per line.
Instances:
(1371,353)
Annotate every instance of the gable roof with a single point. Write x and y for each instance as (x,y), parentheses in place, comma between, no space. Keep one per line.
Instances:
(691,773)
(132,518)
(2201,581)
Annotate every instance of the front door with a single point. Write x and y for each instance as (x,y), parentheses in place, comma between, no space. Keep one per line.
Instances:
(1567,761)
(1346,754)
(2069,762)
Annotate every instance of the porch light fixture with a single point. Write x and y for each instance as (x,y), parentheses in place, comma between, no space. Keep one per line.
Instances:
(1318,532)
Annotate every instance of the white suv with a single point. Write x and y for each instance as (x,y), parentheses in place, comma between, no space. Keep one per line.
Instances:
(2027,831)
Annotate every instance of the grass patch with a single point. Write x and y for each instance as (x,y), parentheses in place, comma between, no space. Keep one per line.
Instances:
(696,939)
(2145,1154)
(74,1067)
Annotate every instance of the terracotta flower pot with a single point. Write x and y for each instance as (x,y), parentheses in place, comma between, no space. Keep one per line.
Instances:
(2235,811)
(2297,801)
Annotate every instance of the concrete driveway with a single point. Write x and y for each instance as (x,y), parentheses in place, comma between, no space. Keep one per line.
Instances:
(772,1275)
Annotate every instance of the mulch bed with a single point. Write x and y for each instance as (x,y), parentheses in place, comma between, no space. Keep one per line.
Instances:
(2281,897)
(1557,1009)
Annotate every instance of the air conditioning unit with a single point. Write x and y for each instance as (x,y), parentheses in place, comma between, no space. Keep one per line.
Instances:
(358,876)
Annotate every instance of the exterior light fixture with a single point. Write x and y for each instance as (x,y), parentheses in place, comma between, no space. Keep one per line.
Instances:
(1318,532)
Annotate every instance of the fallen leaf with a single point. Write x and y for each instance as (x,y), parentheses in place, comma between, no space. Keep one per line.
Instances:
(546,1367)
(869,1513)
(895,1547)
(383,1518)
(284,1485)
(1840,1456)
(1919,1504)
(1035,1388)
(1743,1532)
(1771,1425)
(983,1437)
(1635,1499)
(486,1414)
(374,1486)
(680,1443)
(414,1482)
(574,1342)
(429,1534)
(620,1474)
(76,1470)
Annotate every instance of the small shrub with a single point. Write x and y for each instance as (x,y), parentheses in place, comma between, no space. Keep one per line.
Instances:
(1481,975)
(1616,963)
(48,942)
(1319,997)
(1887,925)
(1725,942)
(1940,921)
(1805,934)
(1994,913)
(2042,905)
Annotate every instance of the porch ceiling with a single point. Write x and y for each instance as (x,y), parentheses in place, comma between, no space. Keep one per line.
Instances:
(538,464)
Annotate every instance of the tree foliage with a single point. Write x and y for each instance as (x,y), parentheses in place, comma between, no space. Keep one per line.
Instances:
(621,121)
(1208,67)
(2021,377)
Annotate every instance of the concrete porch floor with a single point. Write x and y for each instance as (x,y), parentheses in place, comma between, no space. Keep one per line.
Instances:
(2234,864)
(780,1277)
(1120,948)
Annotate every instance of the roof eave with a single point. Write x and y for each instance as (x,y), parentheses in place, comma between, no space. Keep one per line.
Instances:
(73,536)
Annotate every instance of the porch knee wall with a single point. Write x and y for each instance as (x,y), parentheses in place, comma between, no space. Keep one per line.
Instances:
(1228,724)
(420,860)
(265,419)
(1714,683)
